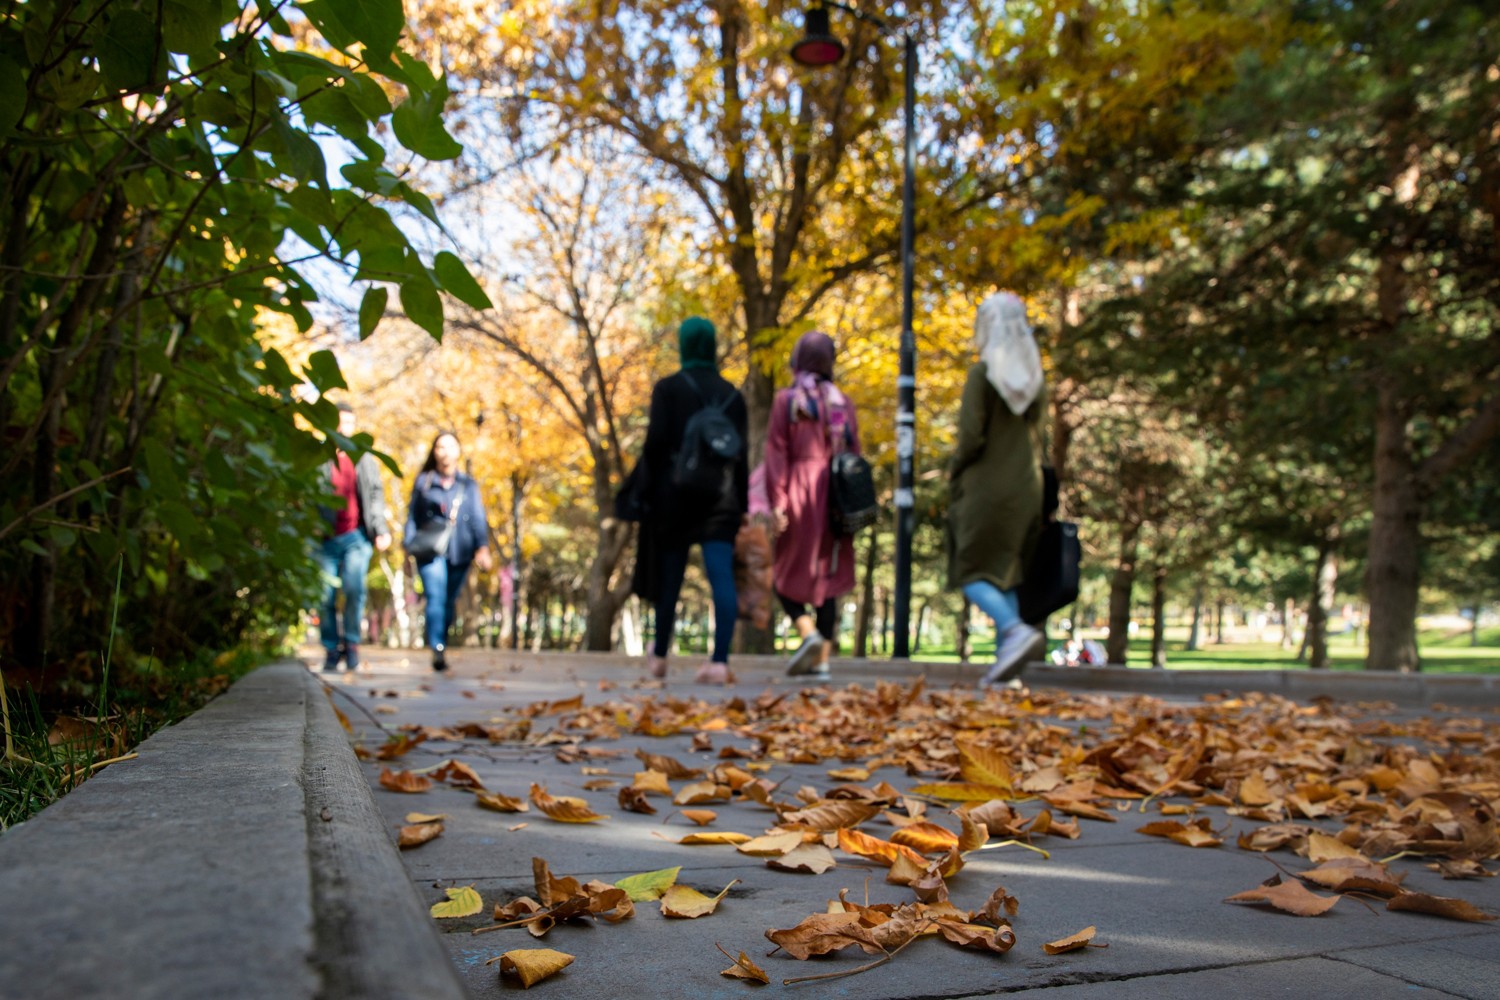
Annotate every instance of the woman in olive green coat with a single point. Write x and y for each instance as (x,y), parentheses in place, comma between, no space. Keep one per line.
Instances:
(995,506)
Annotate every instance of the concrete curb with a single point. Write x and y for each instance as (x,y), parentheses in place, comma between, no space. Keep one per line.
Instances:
(240,855)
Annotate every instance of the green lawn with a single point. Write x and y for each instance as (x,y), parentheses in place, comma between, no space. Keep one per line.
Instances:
(1442,653)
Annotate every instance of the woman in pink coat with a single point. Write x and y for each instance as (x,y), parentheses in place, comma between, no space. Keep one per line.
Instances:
(810,420)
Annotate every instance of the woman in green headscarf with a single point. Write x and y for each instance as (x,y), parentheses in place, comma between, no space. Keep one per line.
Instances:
(681,516)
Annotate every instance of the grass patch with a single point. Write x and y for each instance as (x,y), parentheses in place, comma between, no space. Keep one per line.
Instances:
(55,740)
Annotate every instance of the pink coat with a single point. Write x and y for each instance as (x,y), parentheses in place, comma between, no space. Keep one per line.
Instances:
(797,456)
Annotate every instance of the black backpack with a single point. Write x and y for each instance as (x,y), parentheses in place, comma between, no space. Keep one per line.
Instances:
(851,488)
(710,446)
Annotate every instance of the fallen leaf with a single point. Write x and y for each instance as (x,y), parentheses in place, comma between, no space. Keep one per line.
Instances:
(849,774)
(634,800)
(1321,847)
(1355,875)
(500,803)
(1438,906)
(1293,897)
(702,817)
(669,766)
(966,935)
(651,782)
(532,965)
(812,859)
(1001,902)
(715,837)
(831,815)
(882,852)
(563,808)
(743,968)
(701,791)
(404,781)
(1083,939)
(822,933)
(1453,869)
(457,774)
(771,845)
(687,903)
(418,834)
(415,817)
(647,886)
(983,765)
(1198,833)
(926,838)
(461,902)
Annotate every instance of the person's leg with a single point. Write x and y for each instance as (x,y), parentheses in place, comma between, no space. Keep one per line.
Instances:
(999,605)
(1013,637)
(718,566)
(328,610)
(434,575)
(807,657)
(826,620)
(353,571)
(456,577)
(671,565)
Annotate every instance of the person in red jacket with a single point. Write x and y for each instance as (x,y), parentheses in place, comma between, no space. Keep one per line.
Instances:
(810,420)
(356,527)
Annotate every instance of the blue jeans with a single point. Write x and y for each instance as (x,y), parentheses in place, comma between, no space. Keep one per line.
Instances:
(344,560)
(718,566)
(441,584)
(999,604)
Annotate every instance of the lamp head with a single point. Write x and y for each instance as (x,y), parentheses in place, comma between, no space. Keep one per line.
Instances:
(818,47)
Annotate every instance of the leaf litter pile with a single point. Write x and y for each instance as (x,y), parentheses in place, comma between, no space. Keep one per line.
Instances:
(1347,791)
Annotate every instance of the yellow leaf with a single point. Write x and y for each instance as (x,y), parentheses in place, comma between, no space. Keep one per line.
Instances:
(702,817)
(1072,942)
(532,965)
(983,765)
(849,774)
(688,903)
(813,859)
(649,885)
(425,817)
(461,902)
(926,838)
(771,845)
(882,852)
(652,781)
(957,791)
(715,837)
(1321,847)
(743,968)
(418,834)
(563,808)
(701,791)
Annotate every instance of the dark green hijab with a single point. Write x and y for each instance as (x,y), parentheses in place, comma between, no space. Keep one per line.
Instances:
(695,343)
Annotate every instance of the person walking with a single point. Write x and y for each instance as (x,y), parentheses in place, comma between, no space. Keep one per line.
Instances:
(810,420)
(696,494)
(446,506)
(356,527)
(995,478)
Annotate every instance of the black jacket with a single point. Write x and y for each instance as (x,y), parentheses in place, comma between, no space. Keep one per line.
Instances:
(674,519)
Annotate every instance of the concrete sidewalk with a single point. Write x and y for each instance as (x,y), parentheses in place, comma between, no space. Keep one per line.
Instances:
(245,854)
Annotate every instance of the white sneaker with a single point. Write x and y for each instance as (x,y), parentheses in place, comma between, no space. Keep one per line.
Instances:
(805,659)
(1010,658)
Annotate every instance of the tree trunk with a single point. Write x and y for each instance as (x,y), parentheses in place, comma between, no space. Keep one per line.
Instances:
(1395,543)
(1159,618)
(916,640)
(1325,584)
(866,613)
(1219,622)
(606,594)
(963,632)
(1192,643)
(1288,612)
(1474,627)
(1117,647)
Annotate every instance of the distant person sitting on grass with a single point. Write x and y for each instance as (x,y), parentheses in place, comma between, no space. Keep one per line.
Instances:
(355,524)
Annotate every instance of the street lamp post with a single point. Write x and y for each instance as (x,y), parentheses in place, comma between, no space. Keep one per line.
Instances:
(818,47)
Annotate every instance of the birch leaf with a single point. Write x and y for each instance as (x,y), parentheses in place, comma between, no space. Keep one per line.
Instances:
(461,902)
(687,903)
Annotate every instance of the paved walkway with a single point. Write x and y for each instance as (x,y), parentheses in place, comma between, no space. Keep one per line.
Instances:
(247,854)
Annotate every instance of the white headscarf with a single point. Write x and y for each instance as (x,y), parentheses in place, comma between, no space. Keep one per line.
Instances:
(1011,361)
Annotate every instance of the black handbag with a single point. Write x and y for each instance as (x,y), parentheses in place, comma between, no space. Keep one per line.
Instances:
(431,539)
(632,503)
(1051,581)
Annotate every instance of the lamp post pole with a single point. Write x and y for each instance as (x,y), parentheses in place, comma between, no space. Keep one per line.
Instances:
(906,377)
(817,48)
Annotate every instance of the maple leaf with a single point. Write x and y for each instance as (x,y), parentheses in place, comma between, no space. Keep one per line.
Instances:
(563,808)
(404,781)
(1292,897)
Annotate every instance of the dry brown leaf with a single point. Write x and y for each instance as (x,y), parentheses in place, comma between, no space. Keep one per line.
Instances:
(562,808)
(771,845)
(813,859)
(831,815)
(882,852)
(1277,835)
(418,834)
(1292,897)
(973,834)
(669,766)
(687,903)
(1455,869)
(849,774)
(957,791)
(701,791)
(1321,847)
(397,746)
(1355,875)
(702,817)
(1438,906)
(634,800)
(1198,833)
(1255,792)
(1073,942)
(822,933)
(965,935)
(415,817)
(532,965)
(458,774)
(926,838)
(501,803)
(404,781)
(743,968)
(999,906)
